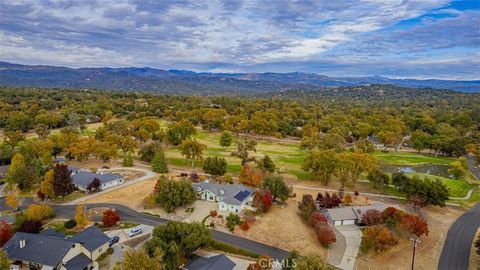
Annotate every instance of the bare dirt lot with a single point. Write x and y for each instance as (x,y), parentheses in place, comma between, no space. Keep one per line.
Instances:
(428,251)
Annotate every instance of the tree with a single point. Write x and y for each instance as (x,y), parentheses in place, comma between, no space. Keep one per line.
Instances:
(290,261)
(180,131)
(62,181)
(4,263)
(477,245)
(148,151)
(277,186)
(110,218)
(263,199)
(392,217)
(18,173)
(415,225)
(352,164)
(262,263)
(159,163)
(171,194)
(379,238)
(458,169)
(30,226)
(13,199)
(325,235)
(249,176)
(317,219)
(127,160)
(226,139)
(12,138)
(311,262)
(428,191)
(306,207)
(372,217)
(232,221)
(46,186)
(378,178)
(178,239)
(266,164)
(94,186)
(138,259)
(321,163)
(39,212)
(192,150)
(81,216)
(243,151)
(6,232)
(216,166)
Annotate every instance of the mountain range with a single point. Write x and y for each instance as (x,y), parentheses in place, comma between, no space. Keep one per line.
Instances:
(189,82)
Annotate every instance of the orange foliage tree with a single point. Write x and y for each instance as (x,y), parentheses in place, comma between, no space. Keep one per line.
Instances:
(110,218)
(415,225)
(250,176)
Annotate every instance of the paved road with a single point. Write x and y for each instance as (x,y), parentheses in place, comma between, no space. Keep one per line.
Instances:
(472,166)
(456,250)
(130,215)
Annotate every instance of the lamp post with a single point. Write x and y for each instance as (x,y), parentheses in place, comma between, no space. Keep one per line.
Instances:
(415,241)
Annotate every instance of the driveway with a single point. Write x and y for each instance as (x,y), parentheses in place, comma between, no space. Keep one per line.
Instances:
(202,209)
(352,237)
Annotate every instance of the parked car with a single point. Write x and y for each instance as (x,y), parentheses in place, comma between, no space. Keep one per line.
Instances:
(135,231)
(113,241)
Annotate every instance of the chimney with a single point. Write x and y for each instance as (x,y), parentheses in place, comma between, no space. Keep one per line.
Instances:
(22,242)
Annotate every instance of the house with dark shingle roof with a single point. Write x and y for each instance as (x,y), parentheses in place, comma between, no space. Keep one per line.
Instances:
(211,263)
(49,250)
(230,198)
(82,178)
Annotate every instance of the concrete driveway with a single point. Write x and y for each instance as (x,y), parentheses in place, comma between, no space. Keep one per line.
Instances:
(353,238)
(202,209)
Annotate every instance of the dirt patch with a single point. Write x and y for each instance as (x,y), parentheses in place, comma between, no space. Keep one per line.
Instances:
(283,228)
(128,174)
(428,251)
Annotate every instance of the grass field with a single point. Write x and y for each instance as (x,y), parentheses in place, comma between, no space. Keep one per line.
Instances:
(407,158)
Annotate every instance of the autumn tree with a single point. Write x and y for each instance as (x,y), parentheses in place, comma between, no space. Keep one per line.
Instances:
(192,150)
(263,199)
(325,235)
(250,176)
(46,186)
(321,163)
(18,173)
(4,263)
(306,207)
(352,164)
(12,138)
(159,163)
(81,216)
(379,238)
(138,259)
(39,212)
(415,225)
(276,184)
(317,219)
(180,131)
(392,217)
(6,232)
(372,217)
(148,151)
(243,151)
(110,218)
(226,139)
(216,166)
(13,199)
(62,181)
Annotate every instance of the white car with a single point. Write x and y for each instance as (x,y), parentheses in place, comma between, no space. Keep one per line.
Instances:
(135,231)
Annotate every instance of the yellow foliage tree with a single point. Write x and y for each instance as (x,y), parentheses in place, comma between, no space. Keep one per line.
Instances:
(39,212)
(13,198)
(81,216)
(46,186)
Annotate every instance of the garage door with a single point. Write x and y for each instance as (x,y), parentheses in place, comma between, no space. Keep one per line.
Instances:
(337,222)
(348,222)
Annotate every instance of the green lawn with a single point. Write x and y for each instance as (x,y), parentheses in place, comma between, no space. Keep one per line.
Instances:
(404,158)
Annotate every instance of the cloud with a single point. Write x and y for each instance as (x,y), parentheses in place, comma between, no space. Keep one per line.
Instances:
(232,34)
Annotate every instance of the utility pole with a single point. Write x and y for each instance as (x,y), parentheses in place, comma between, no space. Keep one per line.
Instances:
(415,241)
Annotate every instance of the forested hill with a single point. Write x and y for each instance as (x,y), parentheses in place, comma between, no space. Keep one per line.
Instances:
(188,82)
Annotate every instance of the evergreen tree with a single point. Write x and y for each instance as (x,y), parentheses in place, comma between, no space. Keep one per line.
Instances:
(226,139)
(215,166)
(159,164)
(266,164)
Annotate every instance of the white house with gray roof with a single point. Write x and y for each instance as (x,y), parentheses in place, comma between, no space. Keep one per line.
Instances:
(82,178)
(349,215)
(230,198)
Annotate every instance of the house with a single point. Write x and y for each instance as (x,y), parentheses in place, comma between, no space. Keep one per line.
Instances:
(82,178)
(375,141)
(3,171)
(230,198)
(10,219)
(93,240)
(50,250)
(210,263)
(349,215)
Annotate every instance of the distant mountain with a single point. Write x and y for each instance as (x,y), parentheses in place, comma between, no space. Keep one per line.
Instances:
(189,82)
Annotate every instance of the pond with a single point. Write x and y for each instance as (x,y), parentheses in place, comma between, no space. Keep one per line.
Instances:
(433,169)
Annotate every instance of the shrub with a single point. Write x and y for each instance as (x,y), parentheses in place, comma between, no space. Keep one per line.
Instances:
(306,207)
(232,221)
(317,218)
(30,226)
(325,235)
(110,218)
(6,232)
(110,250)
(372,217)
(391,217)
(415,225)
(69,224)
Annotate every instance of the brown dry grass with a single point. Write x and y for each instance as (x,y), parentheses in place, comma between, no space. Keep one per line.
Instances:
(428,251)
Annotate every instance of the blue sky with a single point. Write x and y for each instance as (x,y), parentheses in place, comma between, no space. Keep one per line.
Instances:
(394,38)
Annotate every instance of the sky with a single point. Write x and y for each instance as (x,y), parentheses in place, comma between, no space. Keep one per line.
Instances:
(394,38)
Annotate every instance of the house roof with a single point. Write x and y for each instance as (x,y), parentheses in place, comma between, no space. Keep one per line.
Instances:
(211,263)
(91,238)
(84,178)
(41,249)
(352,212)
(3,171)
(232,194)
(78,262)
